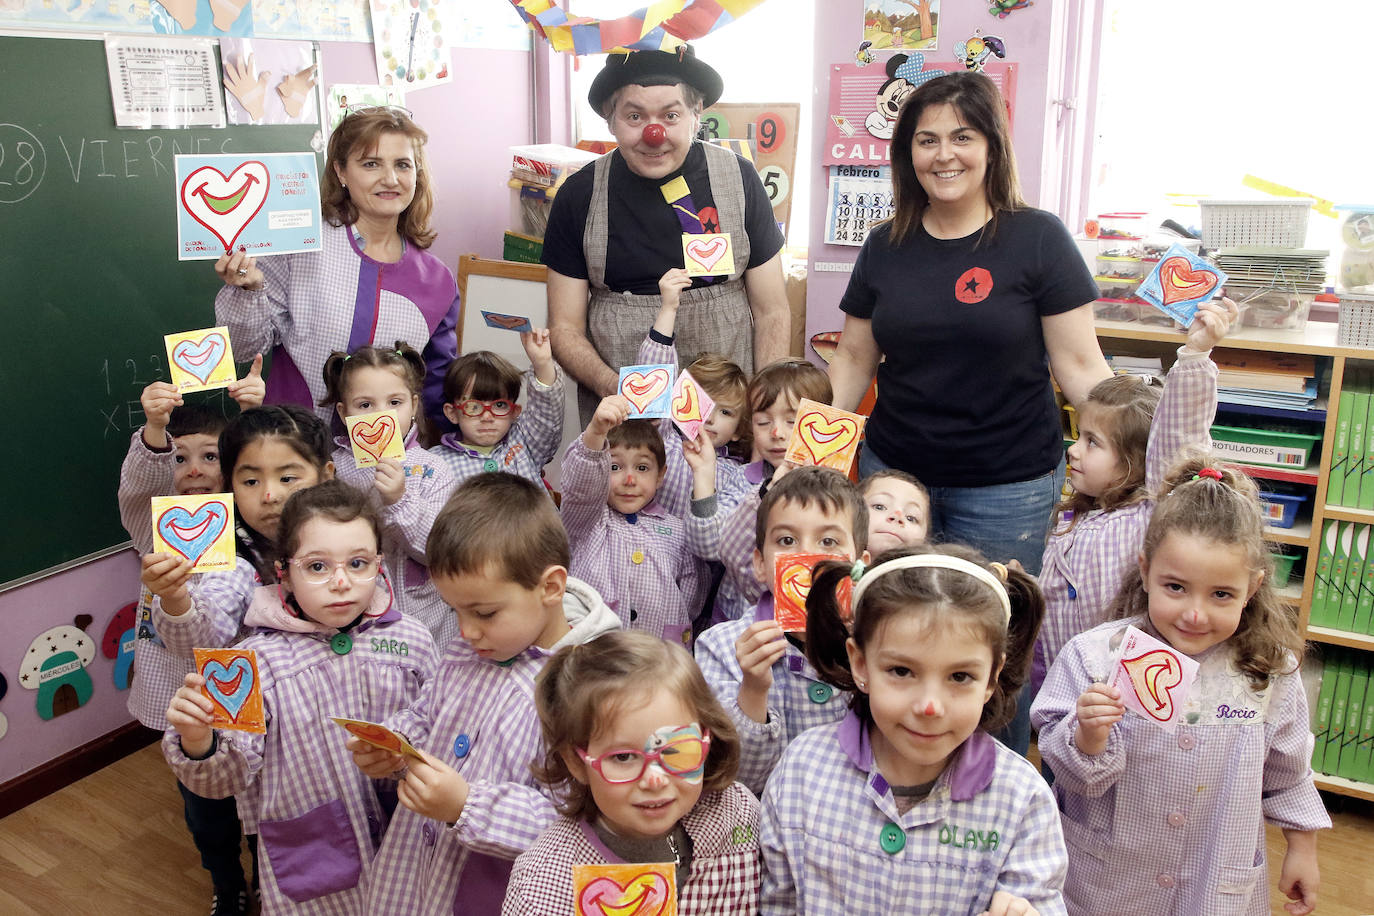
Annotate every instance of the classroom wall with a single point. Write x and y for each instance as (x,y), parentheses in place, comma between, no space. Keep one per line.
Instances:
(471,122)
(1028,34)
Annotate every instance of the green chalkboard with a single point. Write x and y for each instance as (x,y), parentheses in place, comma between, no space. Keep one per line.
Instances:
(89,284)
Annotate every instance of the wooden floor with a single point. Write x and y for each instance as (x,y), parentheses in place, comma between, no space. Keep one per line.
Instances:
(115,843)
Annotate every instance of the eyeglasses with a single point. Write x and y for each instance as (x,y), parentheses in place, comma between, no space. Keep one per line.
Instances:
(317,571)
(683,755)
(475,408)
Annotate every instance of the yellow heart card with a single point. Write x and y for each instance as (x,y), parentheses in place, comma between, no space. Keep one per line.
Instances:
(199,528)
(792,583)
(232,684)
(376,735)
(200,360)
(708,254)
(375,436)
(825,436)
(640,889)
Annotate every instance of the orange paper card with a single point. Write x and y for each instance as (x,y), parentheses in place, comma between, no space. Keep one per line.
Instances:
(642,889)
(377,736)
(375,436)
(231,683)
(825,436)
(791,585)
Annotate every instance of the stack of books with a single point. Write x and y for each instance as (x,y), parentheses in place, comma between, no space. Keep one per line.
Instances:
(1343,717)
(1263,379)
(1343,588)
(1144,366)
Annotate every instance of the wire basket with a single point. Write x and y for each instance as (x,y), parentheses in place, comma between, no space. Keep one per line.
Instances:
(1355,321)
(1277,221)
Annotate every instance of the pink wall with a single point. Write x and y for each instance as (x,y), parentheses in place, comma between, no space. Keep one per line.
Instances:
(471,123)
(1027,34)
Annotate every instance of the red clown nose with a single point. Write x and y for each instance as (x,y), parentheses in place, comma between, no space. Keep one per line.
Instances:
(654,135)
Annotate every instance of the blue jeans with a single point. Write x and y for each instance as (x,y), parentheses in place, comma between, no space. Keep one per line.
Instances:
(1007,521)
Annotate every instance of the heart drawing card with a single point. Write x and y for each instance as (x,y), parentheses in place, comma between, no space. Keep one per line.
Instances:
(375,436)
(639,889)
(262,203)
(792,583)
(692,406)
(1154,678)
(199,528)
(649,389)
(503,322)
(1180,282)
(825,436)
(708,254)
(231,683)
(200,360)
(377,735)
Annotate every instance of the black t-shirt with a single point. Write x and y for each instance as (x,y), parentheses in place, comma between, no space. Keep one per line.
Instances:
(645,235)
(964,394)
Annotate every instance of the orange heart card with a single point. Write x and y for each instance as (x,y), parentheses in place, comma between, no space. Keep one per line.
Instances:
(1154,678)
(200,360)
(692,406)
(375,436)
(640,889)
(377,736)
(825,436)
(649,389)
(231,683)
(199,528)
(792,583)
(1179,283)
(708,254)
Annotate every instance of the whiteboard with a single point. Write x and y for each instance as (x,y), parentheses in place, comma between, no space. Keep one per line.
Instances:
(516,289)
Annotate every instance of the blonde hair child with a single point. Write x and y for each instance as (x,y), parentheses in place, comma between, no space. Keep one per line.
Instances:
(1174,821)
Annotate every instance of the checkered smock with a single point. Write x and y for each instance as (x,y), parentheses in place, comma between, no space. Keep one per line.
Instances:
(729,537)
(798,699)
(1174,822)
(1081,570)
(640,564)
(725,862)
(318,818)
(405,529)
(834,843)
(531,442)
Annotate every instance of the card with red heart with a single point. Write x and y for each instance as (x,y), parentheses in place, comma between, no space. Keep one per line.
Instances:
(198,527)
(692,406)
(232,684)
(503,322)
(200,360)
(377,735)
(792,583)
(375,436)
(262,203)
(632,889)
(649,389)
(1154,678)
(1180,282)
(708,254)
(825,436)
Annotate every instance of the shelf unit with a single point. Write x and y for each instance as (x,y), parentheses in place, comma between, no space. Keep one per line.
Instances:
(1317,339)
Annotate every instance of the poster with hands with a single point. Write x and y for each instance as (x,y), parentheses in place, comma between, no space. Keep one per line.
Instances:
(270,82)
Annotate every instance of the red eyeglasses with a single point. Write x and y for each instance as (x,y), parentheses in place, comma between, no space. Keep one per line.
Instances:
(475,408)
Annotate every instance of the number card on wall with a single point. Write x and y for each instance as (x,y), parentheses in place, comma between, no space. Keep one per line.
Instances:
(772,132)
(858,197)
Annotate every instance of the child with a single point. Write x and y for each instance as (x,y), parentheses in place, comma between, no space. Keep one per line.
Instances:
(726,536)
(326,646)
(1174,821)
(494,433)
(909,799)
(760,674)
(1125,445)
(408,493)
(265,455)
(644,758)
(624,544)
(176,452)
(499,557)
(727,385)
(898,510)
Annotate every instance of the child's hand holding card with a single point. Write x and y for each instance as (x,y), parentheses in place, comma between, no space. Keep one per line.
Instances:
(375,436)
(1153,677)
(379,736)
(1179,283)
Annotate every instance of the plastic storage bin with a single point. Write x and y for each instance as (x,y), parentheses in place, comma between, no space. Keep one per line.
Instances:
(1282,309)
(1283,567)
(1264,446)
(1117,288)
(1277,221)
(1119,268)
(1281,509)
(1355,320)
(1357,255)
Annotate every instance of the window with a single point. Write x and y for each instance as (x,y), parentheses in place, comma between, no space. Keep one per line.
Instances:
(764,56)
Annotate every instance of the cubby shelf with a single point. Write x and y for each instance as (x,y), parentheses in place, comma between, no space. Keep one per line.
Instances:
(1317,339)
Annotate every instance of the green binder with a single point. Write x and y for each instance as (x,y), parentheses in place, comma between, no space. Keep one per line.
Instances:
(1340,446)
(1354,713)
(1321,715)
(1354,574)
(1321,582)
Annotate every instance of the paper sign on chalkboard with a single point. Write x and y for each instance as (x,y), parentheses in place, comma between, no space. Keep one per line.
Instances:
(264,204)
